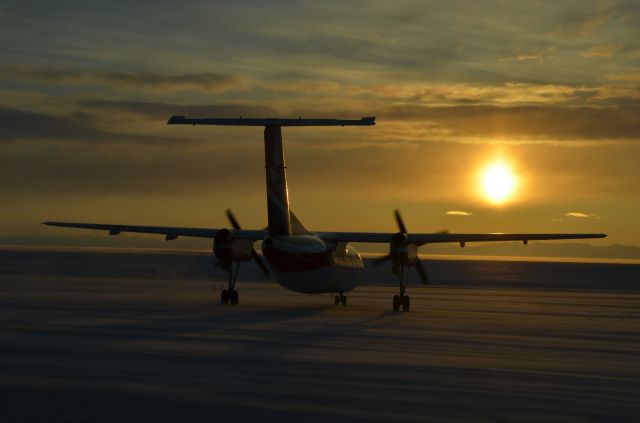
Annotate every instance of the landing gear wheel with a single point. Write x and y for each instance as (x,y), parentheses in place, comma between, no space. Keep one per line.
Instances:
(233,297)
(396,302)
(224,297)
(343,300)
(405,303)
(337,300)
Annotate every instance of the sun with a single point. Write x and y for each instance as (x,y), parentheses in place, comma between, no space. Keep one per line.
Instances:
(498,182)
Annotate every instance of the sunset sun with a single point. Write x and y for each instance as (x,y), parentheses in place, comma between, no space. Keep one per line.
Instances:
(498,182)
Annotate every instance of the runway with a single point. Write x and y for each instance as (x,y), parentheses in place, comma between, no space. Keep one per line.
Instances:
(89,349)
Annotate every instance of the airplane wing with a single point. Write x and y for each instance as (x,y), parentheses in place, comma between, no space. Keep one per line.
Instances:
(374,237)
(421,239)
(170,233)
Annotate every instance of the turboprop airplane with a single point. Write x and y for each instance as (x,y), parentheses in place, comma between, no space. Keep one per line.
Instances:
(301,260)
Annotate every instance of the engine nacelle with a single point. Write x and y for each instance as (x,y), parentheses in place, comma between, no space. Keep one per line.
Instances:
(229,250)
(401,252)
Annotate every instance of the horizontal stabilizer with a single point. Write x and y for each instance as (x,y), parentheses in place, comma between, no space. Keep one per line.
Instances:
(182,120)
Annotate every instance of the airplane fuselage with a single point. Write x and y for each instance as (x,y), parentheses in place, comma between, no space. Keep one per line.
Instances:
(307,264)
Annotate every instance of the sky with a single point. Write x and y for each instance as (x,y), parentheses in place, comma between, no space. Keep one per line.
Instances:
(549,88)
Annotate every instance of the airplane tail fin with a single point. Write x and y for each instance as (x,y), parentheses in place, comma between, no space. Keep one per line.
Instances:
(278,211)
(281,220)
(297,228)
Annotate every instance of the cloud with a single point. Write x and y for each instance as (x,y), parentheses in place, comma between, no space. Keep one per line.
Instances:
(156,110)
(582,215)
(605,50)
(145,81)
(128,167)
(507,93)
(447,123)
(18,124)
(533,55)
(23,125)
(522,122)
(458,213)
(631,76)
(584,22)
(372,96)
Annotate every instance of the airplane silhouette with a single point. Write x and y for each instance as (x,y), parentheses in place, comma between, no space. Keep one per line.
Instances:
(302,260)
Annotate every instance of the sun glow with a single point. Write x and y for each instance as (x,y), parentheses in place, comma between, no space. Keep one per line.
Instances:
(498,182)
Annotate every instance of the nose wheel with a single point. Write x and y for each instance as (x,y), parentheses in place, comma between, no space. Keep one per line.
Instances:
(340,299)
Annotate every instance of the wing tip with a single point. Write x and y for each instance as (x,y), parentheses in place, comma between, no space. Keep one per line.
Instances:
(174,120)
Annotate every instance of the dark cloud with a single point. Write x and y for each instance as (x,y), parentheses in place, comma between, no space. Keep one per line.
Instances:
(451,123)
(18,124)
(48,167)
(585,21)
(545,122)
(23,125)
(155,110)
(209,82)
(459,122)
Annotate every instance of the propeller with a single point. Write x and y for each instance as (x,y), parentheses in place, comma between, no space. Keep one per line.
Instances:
(258,259)
(400,240)
(423,273)
(399,221)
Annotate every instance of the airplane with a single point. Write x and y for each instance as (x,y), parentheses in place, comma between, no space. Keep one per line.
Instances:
(306,261)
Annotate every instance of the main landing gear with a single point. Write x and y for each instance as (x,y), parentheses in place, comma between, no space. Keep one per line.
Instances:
(340,299)
(230,295)
(402,300)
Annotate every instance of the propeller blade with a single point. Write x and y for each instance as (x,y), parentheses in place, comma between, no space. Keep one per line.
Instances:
(399,221)
(423,274)
(261,263)
(232,219)
(380,260)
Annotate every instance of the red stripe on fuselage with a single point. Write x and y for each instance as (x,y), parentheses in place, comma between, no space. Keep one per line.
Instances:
(285,261)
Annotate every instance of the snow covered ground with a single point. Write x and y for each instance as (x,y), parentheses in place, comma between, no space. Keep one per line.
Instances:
(95,349)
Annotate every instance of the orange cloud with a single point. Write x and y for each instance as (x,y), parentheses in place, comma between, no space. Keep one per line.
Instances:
(458,213)
(605,50)
(582,215)
(633,76)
